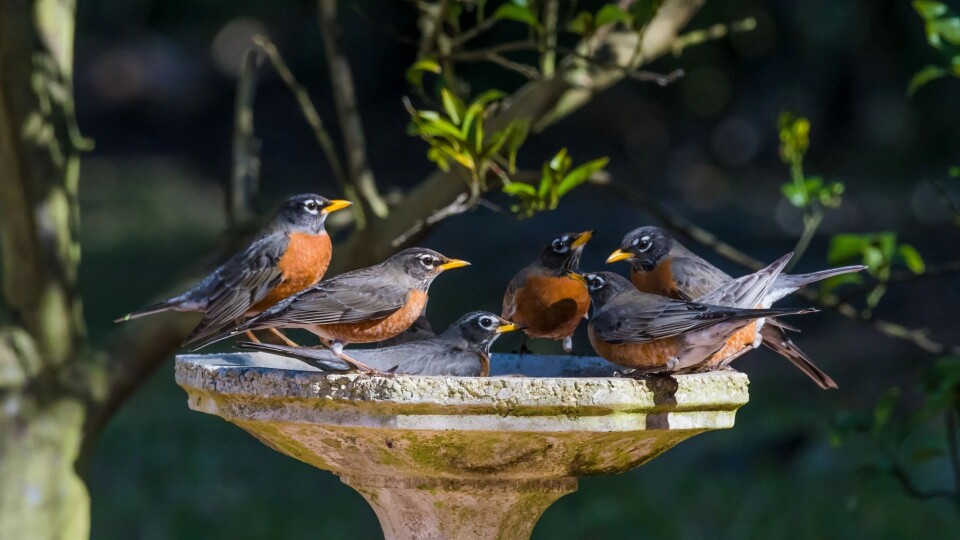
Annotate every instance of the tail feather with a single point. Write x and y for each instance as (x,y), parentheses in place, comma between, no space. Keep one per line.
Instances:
(742,314)
(787,283)
(776,340)
(317,358)
(172,304)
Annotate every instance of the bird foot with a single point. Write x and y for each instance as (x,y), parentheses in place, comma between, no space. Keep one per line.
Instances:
(337,349)
(568,345)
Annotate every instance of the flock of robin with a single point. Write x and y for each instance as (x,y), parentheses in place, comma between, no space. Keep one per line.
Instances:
(676,314)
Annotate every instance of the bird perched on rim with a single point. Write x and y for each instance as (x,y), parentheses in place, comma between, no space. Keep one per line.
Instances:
(462,350)
(543,298)
(288,255)
(362,306)
(420,329)
(653,333)
(661,265)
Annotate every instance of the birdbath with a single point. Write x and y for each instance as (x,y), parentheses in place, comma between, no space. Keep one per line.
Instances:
(462,457)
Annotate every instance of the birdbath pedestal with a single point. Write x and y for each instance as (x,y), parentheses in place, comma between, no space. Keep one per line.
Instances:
(462,457)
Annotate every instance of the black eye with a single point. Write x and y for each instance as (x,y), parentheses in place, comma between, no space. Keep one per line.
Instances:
(486,322)
(643,244)
(311,206)
(428,261)
(559,245)
(596,283)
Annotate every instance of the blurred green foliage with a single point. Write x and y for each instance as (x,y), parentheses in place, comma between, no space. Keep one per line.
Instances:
(942,27)
(557,178)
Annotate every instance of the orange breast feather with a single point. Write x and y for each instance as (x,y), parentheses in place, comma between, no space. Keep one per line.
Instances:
(302,265)
(551,307)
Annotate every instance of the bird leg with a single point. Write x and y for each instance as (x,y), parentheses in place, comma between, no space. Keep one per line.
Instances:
(282,337)
(337,348)
(568,345)
(252,336)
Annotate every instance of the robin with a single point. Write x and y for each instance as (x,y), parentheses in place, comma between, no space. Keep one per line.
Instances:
(661,265)
(462,350)
(288,255)
(652,333)
(420,329)
(362,306)
(543,298)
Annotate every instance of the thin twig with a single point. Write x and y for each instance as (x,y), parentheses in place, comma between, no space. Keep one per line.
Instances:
(345,98)
(517,67)
(711,33)
(390,31)
(244,184)
(310,114)
(810,225)
(472,33)
(548,59)
(484,54)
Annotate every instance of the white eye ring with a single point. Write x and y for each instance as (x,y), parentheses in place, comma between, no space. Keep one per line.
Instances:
(643,244)
(427,261)
(596,283)
(559,245)
(312,207)
(486,322)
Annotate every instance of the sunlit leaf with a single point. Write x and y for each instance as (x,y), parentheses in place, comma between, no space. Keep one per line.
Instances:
(911,257)
(415,72)
(517,13)
(846,248)
(519,188)
(452,105)
(558,161)
(611,13)
(922,77)
(929,10)
(948,29)
(581,174)
(794,194)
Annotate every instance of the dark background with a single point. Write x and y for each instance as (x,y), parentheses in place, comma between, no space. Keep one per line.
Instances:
(155,84)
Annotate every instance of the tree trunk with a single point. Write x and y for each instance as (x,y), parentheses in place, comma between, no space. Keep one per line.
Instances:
(45,377)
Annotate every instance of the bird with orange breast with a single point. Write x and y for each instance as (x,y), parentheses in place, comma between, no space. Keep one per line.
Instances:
(543,298)
(661,265)
(288,255)
(652,333)
(361,306)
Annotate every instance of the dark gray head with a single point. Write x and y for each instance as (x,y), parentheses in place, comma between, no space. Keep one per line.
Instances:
(307,212)
(562,254)
(603,286)
(480,329)
(644,248)
(418,266)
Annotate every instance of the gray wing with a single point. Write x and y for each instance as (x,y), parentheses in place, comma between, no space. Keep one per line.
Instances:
(356,296)
(239,283)
(625,320)
(510,296)
(696,277)
(748,291)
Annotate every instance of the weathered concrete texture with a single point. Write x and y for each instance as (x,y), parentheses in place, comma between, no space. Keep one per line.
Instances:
(463,457)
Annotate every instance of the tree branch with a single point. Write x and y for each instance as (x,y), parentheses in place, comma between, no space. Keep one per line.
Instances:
(351,126)
(244,184)
(543,101)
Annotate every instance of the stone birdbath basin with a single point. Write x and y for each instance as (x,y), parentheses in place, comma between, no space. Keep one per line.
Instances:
(462,457)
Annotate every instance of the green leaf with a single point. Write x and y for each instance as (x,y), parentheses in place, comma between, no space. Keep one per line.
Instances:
(846,248)
(416,71)
(452,105)
(611,13)
(558,161)
(546,180)
(794,194)
(519,188)
(580,175)
(911,257)
(948,29)
(582,24)
(518,135)
(517,13)
(929,10)
(922,77)
(953,172)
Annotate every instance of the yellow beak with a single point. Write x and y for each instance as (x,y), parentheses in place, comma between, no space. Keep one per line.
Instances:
(577,277)
(453,263)
(338,204)
(507,328)
(619,255)
(582,239)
